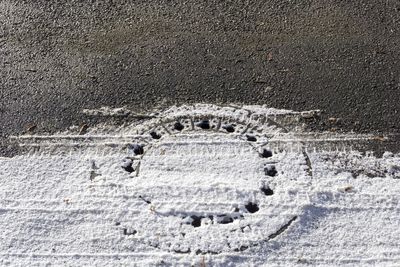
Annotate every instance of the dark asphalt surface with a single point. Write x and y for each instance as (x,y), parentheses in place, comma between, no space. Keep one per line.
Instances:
(57,58)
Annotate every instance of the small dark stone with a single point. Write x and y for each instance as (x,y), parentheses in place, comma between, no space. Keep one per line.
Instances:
(252,207)
(267,191)
(129,168)
(243,248)
(229,128)
(117,223)
(196,220)
(126,232)
(204,124)
(251,138)
(226,220)
(137,149)
(266,154)
(155,135)
(182,251)
(270,171)
(178,126)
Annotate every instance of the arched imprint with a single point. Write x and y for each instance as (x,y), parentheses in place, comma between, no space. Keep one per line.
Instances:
(198,190)
(227,171)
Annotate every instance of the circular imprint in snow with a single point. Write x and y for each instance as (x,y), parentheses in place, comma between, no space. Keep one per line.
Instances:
(214,185)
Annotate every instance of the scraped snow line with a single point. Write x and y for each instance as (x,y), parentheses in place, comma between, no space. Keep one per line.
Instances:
(33,137)
(315,136)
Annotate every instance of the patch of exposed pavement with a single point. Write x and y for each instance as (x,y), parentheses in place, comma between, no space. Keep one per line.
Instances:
(60,58)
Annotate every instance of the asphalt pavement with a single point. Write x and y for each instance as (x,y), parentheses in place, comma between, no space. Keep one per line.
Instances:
(57,58)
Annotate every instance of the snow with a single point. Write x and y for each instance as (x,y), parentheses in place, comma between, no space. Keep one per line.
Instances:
(195,196)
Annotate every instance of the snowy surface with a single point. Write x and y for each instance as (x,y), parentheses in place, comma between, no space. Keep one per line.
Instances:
(263,193)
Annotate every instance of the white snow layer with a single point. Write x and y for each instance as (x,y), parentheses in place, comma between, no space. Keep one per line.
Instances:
(223,187)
